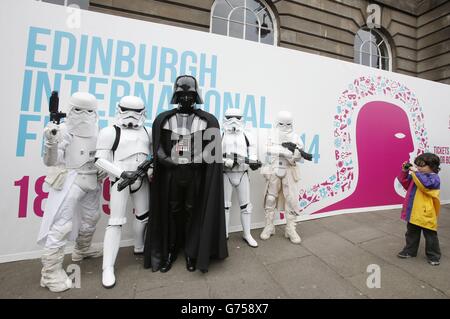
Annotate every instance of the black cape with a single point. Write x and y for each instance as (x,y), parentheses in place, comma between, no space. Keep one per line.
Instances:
(207,237)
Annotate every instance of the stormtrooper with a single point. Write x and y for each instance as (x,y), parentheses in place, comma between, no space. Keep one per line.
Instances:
(187,189)
(239,154)
(72,207)
(281,171)
(121,150)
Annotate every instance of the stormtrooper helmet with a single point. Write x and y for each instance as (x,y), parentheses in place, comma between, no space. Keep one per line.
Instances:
(284,122)
(82,116)
(233,121)
(131,112)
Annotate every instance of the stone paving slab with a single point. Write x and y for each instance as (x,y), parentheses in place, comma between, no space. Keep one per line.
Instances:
(331,262)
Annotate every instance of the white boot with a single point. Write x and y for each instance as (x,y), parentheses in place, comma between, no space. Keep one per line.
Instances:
(227,220)
(290,231)
(110,249)
(53,275)
(83,247)
(139,235)
(246,222)
(269,229)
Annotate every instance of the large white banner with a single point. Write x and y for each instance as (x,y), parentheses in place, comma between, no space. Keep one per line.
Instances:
(359,123)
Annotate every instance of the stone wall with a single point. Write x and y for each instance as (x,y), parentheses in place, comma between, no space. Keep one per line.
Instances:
(418,31)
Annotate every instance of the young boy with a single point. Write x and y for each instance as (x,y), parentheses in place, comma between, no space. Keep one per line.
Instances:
(421,206)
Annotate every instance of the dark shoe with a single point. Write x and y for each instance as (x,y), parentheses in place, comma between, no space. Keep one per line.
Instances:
(404,255)
(434,262)
(166,265)
(204,271)
(190,264)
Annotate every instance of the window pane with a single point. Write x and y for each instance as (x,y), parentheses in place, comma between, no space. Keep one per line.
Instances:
(266,21)
(221,9)
(237,3)
(251,33)
(254,5)
(267,36)
(376,37)
(376,61)
(365,35)
(366,47)
(245,19)
(385,63)
(384,50)
(219,26)
(237,15)
(373,49)
(365,59)
(236,30)
(251,18)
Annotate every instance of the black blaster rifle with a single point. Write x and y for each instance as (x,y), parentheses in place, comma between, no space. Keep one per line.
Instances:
(292,147)
(140,172)
(237,159)
(55,114)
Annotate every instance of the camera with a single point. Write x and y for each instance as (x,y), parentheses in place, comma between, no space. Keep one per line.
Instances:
(406,166)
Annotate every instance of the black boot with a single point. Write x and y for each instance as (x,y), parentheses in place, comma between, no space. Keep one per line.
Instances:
(190,264)
(167,264)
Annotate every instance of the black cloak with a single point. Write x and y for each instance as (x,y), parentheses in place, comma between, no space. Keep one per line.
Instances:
(207,235)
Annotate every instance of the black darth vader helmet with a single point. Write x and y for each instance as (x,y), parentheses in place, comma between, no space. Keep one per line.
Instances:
(185,85)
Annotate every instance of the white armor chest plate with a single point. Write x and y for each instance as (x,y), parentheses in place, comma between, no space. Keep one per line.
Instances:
(280,163)
(280,137)
(132,142)
(80,151)
(234,143)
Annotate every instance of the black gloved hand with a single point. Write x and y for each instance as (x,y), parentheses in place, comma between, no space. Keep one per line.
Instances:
(290,146)
(128,175)
(167,162)
(254,166)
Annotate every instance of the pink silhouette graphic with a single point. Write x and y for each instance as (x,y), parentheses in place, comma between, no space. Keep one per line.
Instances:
(384,142)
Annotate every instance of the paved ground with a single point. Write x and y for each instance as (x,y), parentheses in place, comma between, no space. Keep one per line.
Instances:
(331,262)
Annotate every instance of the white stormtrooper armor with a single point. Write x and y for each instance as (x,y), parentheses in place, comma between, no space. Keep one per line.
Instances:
(72,208)
(120,149)
(282,174)
(236,144)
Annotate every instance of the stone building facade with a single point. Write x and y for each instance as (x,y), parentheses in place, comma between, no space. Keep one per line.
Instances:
(417,31)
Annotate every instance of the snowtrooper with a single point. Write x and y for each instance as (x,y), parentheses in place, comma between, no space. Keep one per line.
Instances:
(239,153)
(72,207)
(281,171)
(121,149)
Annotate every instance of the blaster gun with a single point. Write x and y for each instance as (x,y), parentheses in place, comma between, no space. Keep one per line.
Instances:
(292,147)
(55,114)
(237,160)
(140,172)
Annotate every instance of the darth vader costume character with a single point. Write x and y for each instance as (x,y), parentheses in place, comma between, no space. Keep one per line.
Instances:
(187,201)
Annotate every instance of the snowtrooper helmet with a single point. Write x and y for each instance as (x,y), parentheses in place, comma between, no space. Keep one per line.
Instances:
(233,120)
(186,92)
(82,115)
(284,122)
(131,112)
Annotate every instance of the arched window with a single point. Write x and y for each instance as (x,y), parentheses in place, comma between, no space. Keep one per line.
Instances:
(372,49)
(245,19)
